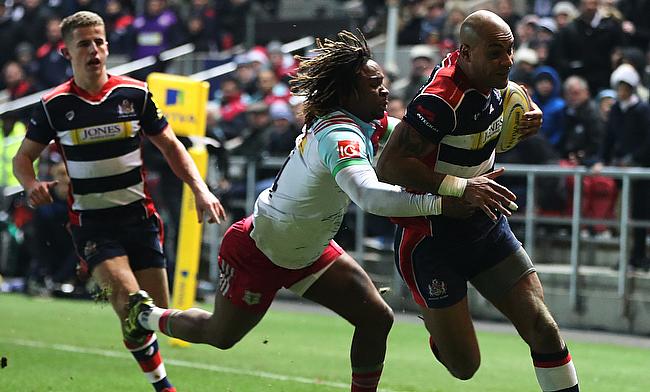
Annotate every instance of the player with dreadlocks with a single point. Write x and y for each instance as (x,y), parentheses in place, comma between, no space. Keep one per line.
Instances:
(287,241)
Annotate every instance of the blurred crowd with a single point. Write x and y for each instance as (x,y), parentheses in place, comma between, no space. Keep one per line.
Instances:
(585,63)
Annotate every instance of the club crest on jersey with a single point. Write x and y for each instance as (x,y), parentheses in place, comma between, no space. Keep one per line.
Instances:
(125,107)
(90,249)
(349,149)
(437,289)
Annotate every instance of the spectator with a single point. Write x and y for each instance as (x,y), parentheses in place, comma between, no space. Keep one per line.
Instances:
(69,7)
(583,47)
(580,145)
(505,9)
(204,14)
(156,30)
(414,13)
(564,12)
(523,69)
(18,85)
(53,68)
(231,16)
(548,95)
(451,30)
(627,143)
(245,74)
(26,58)
(584,131)
(269,89)
(636,23)
(283,133)
(605,100)
(282,64)
(198,33)
(32,16)
(423,59)
(119,27)
(297,105)
(232,103)
(8,35)
(526,32)
(434,19)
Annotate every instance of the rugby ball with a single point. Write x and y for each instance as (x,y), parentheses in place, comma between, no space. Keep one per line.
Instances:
(516,102)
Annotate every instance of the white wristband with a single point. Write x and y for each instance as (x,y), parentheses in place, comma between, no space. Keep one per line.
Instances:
(452,186)
(437,205)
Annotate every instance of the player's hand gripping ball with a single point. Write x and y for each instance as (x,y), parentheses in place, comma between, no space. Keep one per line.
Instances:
(516,102)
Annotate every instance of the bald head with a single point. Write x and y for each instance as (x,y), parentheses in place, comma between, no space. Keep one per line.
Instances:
(480,25)
(486,50)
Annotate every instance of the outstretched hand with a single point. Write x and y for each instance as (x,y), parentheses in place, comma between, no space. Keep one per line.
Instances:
(483,192)
(208,204)
(39,193)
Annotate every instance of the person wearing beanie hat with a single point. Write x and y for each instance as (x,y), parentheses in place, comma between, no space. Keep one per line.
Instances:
(625,73)
(627,143)
(283,130)
(605,99)
(563,13)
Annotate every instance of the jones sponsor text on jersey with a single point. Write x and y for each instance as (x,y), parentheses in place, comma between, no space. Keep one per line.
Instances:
(102,133)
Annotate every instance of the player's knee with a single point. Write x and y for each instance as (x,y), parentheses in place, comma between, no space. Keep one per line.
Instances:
(544,332)
(381,318)
(464,370)
(222,342)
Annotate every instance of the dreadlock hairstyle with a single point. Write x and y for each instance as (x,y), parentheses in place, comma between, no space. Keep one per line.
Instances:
(330,73)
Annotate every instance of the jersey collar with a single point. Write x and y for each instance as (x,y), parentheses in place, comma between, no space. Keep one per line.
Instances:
(367,128)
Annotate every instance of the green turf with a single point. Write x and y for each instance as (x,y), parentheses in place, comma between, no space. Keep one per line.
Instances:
(56,345)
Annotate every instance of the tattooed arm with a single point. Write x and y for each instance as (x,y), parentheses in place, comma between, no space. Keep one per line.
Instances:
(400,162)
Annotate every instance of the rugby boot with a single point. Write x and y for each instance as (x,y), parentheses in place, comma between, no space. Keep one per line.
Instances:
(139,302)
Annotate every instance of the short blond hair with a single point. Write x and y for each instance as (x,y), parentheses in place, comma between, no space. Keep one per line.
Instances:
(77,20)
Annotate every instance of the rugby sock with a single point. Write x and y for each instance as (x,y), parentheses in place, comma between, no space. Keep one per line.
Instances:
(157,319)
(151,363)
(366,379)
(555,372)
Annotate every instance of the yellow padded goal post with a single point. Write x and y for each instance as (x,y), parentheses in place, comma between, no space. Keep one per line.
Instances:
(183,101)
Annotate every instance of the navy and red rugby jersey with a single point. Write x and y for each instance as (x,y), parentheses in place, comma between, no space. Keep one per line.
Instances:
(99,137)
(465,124)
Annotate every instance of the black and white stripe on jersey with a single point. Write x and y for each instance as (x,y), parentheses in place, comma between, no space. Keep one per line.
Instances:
(99,137)
(464,122)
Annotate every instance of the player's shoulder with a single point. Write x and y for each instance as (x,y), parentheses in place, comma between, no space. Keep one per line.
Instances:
(445,84)
(127,81)
(60,90)
(333,122)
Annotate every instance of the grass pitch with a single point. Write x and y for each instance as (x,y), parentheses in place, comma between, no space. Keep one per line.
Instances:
(59,345)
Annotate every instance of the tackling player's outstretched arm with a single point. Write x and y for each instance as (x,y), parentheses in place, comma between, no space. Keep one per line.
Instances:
(401,164)
(361,184)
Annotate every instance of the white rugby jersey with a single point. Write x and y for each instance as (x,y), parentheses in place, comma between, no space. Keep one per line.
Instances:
(99,139)
(295,219)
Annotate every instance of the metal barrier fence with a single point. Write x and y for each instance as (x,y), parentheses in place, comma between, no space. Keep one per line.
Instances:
(529,217)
